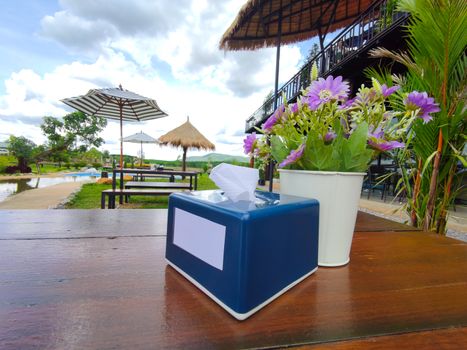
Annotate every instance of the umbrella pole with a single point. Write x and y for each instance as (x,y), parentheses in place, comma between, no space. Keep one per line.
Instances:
(121,151)
(121,136)
(276,92)
(184,159)
(141,155)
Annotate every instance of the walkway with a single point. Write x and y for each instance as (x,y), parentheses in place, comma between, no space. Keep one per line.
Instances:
(42,198)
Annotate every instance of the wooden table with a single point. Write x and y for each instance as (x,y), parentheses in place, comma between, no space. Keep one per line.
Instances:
(193,175)
(92,279)
(141,173)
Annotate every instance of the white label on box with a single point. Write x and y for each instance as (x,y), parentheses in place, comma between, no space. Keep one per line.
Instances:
(200,237)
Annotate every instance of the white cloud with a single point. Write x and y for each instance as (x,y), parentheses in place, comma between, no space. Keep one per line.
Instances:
(125,43)
(183,34)
(30,95)
(76,32)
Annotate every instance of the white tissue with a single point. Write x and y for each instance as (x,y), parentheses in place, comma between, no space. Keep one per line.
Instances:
(237,182)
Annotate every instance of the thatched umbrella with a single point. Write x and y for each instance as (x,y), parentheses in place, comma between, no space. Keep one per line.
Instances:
(260,23)
(186,136)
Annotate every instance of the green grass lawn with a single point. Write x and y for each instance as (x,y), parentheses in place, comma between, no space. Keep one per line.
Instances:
(48,168)
(6,161)
(89,197)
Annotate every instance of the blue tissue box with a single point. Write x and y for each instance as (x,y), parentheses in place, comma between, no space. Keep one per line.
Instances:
(245,254)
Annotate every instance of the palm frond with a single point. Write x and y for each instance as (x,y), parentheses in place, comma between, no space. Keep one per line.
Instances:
(401,57)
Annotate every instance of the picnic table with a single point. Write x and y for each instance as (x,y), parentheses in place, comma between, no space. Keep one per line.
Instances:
(142,188)
(92,279)
(141,173)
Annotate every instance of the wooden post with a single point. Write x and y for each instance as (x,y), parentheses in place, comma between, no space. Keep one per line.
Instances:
(184,159)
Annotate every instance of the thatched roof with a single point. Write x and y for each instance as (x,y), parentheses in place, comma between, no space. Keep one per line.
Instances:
(186,136)
(257,23)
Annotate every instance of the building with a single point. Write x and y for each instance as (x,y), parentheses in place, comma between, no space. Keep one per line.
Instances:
(4,148)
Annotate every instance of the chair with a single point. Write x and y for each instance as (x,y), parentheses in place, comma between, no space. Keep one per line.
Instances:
(376,180)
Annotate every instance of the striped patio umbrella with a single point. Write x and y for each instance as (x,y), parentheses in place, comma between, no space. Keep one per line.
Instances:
(140,138)
(119,104)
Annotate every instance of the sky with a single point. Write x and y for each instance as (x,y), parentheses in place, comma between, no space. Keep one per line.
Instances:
(165,50)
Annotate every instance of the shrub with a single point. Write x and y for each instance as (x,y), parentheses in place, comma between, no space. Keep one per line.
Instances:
(97,165)
(13,169)
(5,161)
(79,165)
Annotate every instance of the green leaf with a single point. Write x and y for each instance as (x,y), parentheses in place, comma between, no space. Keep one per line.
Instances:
(355,154)
(317,155)
(279,150)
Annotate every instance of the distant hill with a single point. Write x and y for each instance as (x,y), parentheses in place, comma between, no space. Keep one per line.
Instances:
(217,157)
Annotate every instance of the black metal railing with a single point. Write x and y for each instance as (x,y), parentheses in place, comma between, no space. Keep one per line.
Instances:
(378,20)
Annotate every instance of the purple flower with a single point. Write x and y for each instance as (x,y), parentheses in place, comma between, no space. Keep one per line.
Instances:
(376,141)
(347,104)
(389,90)
(421,102)
(249,143)
(322,91)
(293,156)
(384,146)
(331,135)
(294,107)
(311,103)
(376,134)
(272,120)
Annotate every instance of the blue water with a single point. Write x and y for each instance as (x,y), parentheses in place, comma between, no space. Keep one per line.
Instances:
(85,174)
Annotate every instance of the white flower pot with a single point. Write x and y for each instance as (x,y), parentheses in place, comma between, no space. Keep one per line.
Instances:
(338,195)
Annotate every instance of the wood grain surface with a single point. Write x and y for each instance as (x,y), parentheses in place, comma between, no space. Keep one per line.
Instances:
(81,223)
(449,338)
(98,280)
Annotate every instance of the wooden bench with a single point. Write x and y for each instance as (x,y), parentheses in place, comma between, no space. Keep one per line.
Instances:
(140,177)
(132,192)
(157,184)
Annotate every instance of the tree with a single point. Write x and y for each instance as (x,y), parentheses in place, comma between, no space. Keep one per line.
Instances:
(314,50)
(85,128)
(22,149)
(77,132)
(105,156)
(92,156)
(268,103)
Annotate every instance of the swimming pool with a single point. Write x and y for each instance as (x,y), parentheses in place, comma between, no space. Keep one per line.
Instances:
(85,174)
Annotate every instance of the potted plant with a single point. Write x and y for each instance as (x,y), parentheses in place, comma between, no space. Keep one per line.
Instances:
(324,143)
